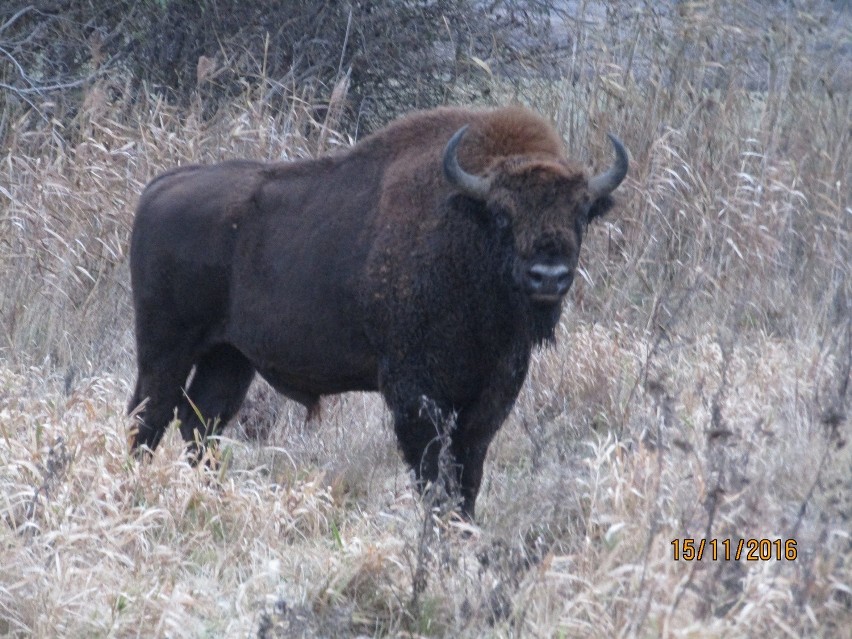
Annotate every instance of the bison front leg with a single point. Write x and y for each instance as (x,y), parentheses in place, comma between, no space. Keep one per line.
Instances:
(477,425)
(424,431)
(445,455)
(448,447)
(471,460)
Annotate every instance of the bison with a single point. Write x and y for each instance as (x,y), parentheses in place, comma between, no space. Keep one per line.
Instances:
(425,263)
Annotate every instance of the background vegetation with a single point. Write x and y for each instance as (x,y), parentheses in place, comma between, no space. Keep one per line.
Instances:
(699,389)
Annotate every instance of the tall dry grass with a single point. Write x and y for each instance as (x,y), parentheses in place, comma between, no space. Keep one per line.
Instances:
(699,388)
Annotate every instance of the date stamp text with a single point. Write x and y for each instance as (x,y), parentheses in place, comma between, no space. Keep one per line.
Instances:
(726,549)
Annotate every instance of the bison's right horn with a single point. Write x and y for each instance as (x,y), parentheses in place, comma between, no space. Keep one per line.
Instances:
(473,185)
(605,183)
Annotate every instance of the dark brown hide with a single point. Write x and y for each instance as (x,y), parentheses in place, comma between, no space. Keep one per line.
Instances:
(367,270)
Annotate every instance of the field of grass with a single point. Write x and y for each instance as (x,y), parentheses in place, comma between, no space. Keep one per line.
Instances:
(699,388)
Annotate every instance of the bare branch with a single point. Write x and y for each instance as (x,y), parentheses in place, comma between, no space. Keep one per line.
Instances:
(15,17)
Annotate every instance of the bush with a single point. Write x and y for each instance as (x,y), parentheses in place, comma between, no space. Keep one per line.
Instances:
(395,55)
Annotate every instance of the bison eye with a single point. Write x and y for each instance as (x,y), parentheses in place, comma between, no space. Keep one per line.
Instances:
(581,223)
(501,217)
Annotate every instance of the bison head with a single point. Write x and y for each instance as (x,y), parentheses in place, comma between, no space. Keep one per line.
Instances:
(547,205)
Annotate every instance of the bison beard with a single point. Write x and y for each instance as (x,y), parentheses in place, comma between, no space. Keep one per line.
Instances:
(424,263)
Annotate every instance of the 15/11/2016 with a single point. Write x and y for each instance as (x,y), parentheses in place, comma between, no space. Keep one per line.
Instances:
(690,549)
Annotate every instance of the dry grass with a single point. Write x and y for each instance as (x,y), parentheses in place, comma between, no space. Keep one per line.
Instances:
(699,389)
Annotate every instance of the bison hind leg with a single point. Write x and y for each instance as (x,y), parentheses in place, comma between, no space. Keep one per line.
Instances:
(165,357)
(217,390)
(153,403)
(139,435)
(135,399)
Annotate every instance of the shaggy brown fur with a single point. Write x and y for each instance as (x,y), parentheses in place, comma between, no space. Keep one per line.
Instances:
(368,270)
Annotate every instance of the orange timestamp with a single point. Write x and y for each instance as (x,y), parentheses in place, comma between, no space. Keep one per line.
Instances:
(727,549)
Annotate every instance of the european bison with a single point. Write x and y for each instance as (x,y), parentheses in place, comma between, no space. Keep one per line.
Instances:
(425,263)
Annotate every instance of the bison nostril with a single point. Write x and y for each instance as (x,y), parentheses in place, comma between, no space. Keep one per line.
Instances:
(535,278)
(549,279)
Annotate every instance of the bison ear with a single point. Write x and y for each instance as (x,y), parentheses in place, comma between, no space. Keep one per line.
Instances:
(600,206)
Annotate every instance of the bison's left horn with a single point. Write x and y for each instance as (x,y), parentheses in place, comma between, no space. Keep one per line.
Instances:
(606,182)
(473,185)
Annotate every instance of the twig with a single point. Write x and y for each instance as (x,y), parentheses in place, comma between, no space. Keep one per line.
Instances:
(15,17)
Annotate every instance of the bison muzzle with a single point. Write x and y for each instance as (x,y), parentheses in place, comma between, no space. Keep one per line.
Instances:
(425,263)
